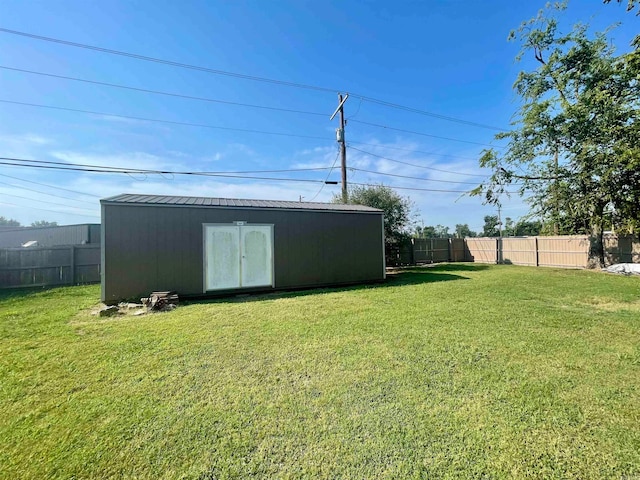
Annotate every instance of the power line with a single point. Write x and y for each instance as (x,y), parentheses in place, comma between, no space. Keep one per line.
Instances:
(244,177)
(413,178)
(415,188)
(170,122)
(50,186)
(411,150)
(328,174)
(169,62)
(377,125)
(56,166)
(42,201)
(43,193)
(417,165)
(247,77)
(426,113)
(149,171)
(158,92)
(47,210)
(412,188)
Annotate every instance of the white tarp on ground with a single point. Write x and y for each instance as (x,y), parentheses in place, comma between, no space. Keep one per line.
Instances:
(624,268)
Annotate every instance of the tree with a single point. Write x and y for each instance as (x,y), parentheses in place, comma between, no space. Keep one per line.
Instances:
(398,210)
(463,230)
(441,231)
(490,228)
(574,150)
(521,228)
(631,4)
(9,222)
(509,227)
(44,223)
(528,228)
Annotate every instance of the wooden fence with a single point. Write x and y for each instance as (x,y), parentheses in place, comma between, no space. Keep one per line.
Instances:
(571,251)
(49,266)
(567,251)
(622,249)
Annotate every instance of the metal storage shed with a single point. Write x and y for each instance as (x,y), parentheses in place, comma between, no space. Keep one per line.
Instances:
(214,246)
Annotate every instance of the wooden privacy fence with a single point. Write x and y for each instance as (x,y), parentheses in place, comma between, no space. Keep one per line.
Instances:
(49,266)
(426,250)
(433,250)
(567,251)
(570,251)
(622,249)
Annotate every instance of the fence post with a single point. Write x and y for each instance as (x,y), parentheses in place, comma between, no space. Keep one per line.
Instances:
(450,255)
(413,253)
(431,249)
(537,255)
(72,276)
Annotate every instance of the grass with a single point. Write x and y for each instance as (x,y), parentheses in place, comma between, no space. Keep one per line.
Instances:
(455,371)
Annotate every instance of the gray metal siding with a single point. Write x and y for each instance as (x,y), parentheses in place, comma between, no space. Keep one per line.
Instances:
(147,248)
(48,236)
(94,233)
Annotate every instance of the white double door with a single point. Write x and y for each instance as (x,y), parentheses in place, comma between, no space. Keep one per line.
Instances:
(238,256)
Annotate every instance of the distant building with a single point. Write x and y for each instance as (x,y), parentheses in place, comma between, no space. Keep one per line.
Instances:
(82,234)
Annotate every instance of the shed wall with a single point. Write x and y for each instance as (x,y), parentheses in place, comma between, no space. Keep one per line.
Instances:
(150,248)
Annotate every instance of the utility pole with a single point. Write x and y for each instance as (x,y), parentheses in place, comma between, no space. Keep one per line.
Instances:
(499,221)
(556,195)
(343,147)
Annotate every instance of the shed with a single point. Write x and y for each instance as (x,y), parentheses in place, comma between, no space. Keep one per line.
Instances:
(200,246)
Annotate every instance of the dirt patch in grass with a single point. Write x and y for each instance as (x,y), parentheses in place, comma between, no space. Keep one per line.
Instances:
(611,305)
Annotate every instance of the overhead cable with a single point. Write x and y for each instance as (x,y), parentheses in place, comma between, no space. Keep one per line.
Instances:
(327,178)
(150,171)
(386,127)
(57,166)
(246,77)
(43,201)
(426,113)
(16,163)
(168,62)
(50,186)
(411,150)
(156,120)
(416,165)
(43,193)
(47,210)
(413,178)
(411,188)
(169,94)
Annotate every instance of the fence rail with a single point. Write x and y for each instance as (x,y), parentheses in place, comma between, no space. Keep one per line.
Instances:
(568,251)
(49,266)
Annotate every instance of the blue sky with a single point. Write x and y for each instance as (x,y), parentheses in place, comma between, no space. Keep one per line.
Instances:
(447,58)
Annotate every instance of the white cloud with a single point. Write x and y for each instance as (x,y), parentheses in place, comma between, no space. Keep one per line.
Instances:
(25,145)
(132,160)
(446,208)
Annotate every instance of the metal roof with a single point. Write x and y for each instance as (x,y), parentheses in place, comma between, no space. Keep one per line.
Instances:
(128,198)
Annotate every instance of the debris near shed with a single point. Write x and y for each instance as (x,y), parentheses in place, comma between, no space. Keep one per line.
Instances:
(120,309)
(155,302)
(107,311)
(624,268)
(160,301)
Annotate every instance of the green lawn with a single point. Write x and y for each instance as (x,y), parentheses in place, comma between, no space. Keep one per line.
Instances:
(456,371)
